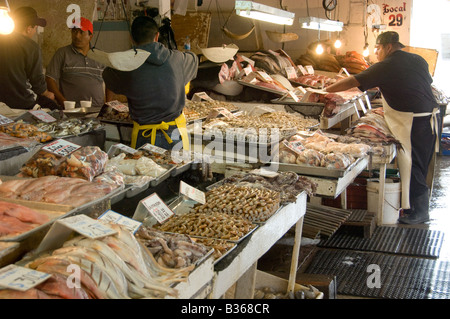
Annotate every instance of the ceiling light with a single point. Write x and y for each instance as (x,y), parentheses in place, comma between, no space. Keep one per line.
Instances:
(366,51)
(319,49)
(321,24)
(252,10)
(6,22)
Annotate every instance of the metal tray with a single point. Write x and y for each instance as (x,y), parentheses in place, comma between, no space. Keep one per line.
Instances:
(134,190)
(262,88)
(181,169)
(158,180)
(318,171)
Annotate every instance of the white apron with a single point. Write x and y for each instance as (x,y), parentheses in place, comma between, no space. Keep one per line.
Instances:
(400,124)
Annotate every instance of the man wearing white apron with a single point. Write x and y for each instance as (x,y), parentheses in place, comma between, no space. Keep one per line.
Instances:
(411,112)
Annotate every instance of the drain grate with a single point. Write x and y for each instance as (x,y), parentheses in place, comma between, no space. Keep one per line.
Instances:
(405,241)
(401,277)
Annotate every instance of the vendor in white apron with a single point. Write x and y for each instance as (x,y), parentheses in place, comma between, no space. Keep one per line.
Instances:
(411,113)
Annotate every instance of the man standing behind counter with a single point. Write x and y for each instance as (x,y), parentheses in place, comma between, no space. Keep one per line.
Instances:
(156,90)
(22,80)
(71,75)
(410,110)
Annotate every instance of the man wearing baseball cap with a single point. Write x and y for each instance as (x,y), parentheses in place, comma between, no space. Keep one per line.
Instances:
(22,80)
(411,112)
(71,75)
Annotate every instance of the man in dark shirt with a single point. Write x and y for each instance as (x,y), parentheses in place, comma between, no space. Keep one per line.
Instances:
(22,81)
(410,111)
(156,90)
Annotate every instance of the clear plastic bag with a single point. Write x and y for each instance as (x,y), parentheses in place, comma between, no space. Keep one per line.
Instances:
(85,163)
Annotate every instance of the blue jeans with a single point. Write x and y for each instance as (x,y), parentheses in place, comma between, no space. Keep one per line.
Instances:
(160,140)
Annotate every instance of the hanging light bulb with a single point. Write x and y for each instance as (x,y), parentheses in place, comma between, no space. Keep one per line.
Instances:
(319,49)
(6,22)
(366,51)
(338,43)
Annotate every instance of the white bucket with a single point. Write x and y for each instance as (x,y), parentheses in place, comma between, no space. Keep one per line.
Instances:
(392,194)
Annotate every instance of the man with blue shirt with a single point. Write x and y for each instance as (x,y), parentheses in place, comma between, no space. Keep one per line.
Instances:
(411,112)
(156,90)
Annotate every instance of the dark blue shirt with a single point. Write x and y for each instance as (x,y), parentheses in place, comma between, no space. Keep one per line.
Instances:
(155,91)
(405,81)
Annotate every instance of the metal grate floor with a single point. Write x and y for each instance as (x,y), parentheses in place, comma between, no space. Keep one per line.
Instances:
(398,240)
(401,277)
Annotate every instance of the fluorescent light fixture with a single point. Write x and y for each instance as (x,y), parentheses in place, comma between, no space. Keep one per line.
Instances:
(321,24)
(252,10)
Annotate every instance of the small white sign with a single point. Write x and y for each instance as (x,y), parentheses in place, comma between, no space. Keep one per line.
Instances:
(291,73)
(21,278)
(157,208)
(192,193)
(61,147)
(154,149)
(264,76)
(201,96)
(294,96)
(122,147)
(302,69)
(88,227)
(310,69)
(118,106)
(116,218)
(42,116)
(5,120)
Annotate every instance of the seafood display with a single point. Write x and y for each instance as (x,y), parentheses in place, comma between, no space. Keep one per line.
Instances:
(87,162)
(314,80)
(220,246)
(113,267)
(288,184)
(72,126)
(7,141)
(171,250)
(135,170)
(334,101)
(262,127)
(23,130)
(212,225)
(195,110)
(17,219)
(54,189)
(353,61)
(160,158)
(114,113)
(321,151)
(256,204)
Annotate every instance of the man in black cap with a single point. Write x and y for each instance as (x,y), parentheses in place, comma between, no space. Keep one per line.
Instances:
(22,80)
(411,112)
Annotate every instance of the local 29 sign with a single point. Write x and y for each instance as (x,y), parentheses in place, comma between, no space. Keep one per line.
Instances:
(395,14)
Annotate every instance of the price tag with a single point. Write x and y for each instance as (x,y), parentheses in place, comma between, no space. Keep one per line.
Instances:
(42,116)
(302,70)
(21,278)
(294,96)
(154,149)
(87,226)
(296,147)
(192,193)
(122,147)
(157,208)
(201,96)
(310,69)
(5,120)
(248,70)
(118,106)
(116,218)
(265,77)
(343,70)
(290,72)
(61,147)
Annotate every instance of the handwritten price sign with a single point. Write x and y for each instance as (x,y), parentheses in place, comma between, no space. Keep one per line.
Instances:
(61,147)
(20,278)
(157,208)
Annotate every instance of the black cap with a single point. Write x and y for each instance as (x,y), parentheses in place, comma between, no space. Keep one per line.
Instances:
(26,16)
(389,37)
